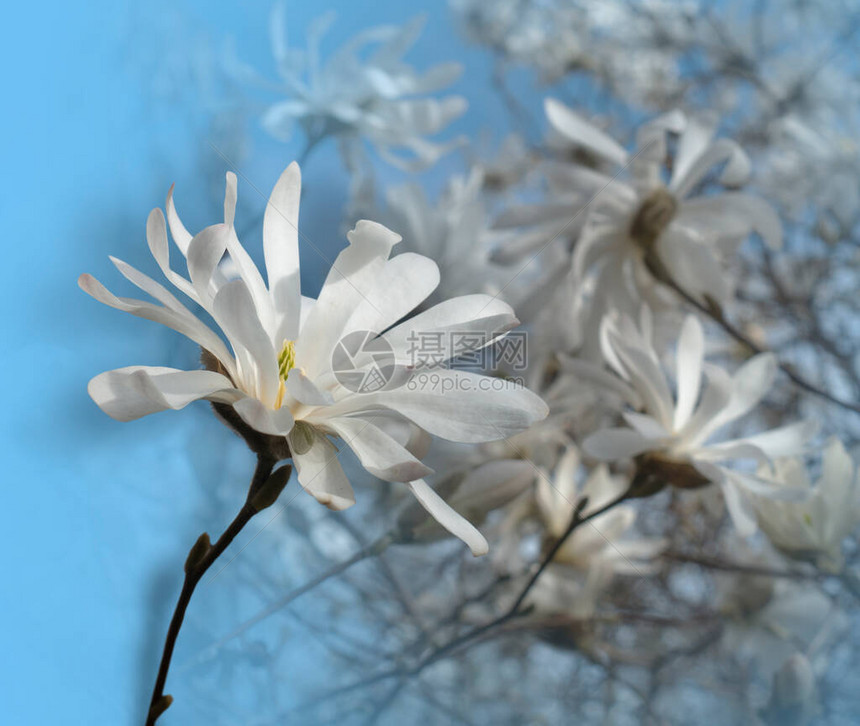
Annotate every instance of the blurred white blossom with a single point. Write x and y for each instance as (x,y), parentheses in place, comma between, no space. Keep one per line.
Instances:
(816,527)
(671,433)
(365,90)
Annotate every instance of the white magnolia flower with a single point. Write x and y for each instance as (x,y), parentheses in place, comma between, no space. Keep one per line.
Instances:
(817,526)
(277,371)
(624,216)
(598,550)
(636,211)
(671,433)
(377,97)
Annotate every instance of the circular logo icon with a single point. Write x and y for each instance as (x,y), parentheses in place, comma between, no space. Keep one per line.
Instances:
(362,361)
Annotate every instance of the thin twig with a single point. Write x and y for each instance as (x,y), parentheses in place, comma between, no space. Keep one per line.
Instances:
(715,314)
(195,568)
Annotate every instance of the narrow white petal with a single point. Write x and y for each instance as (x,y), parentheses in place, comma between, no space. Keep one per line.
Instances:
(646,425)
(156,238)
(205,251)
(735,172)
(281,249)
(354,270)
(689,359)
(461,324)
(694,141)
(613,444)
(235,311)
(300,387)
(135,391)
(448,518)
(230,199)
(380,454)
(187,325)
(790,440)
(740,508)
(578,130)
(749,385)
(277,422)
(181,236)
(457,405)
(321,475)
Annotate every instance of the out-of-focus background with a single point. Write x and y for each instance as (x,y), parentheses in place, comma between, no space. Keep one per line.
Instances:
(106,105)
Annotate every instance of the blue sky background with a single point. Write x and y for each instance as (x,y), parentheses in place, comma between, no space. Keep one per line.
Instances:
(97,515)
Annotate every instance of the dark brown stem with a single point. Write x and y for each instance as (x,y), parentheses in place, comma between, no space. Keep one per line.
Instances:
(199,561)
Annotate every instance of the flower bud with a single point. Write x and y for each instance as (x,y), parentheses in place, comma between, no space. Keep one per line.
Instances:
(197,553)
(268,494)
(159,707)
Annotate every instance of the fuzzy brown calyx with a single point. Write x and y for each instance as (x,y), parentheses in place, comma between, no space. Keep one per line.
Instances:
(653,216)
(655,470)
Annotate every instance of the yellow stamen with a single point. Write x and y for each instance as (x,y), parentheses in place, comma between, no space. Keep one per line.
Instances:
(286,362)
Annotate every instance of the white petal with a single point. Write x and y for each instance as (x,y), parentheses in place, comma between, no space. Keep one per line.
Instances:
(380,454)
(448,518)
(646,375)
(321,475)
(613,444)
(156,238)
(204,253)
(456,405)
(300,387)
(129,393)
(261,418)
(740,509)
(689,358)
(354,270)
(581,132)
(400,285)
(716,397)
(694,141)
(181,236)
(790,440)
(750,384)
(230,199)
(493,484)
(646,425)
(590,373)
(736,171)
(692,264)
(235,311)
(732,214)
(187,325)
(460,324)
(278,422)
(281,248)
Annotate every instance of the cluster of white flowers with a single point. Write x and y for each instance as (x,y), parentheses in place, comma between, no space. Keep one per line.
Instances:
(626,265)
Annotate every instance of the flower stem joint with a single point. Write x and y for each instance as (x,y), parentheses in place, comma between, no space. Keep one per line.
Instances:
(655,471)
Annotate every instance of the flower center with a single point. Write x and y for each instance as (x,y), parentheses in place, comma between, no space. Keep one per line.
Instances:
(286,362)
(653,216)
